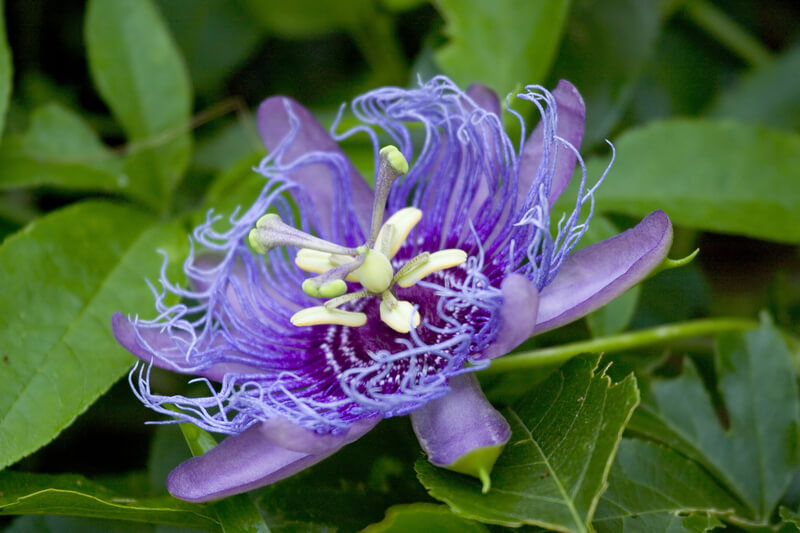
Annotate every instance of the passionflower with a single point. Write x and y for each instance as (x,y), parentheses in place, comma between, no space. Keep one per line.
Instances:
(326,305)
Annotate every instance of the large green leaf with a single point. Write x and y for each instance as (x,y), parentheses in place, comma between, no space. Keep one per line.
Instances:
(606,46)
(717,176)
(551,474)
(141,76)
(23,493)
(63,276)
(5,69)
(756,456)
(61,150)
(424,517)
(504,44)
(653,488)
(769,96)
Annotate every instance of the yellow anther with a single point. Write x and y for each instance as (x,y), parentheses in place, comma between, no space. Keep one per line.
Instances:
(399,314)
(437,261)
(395,158)
(403,222)
(313,316)
(376,273)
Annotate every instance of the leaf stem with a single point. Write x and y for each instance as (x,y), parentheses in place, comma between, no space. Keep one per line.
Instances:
(614,343)
(727,32)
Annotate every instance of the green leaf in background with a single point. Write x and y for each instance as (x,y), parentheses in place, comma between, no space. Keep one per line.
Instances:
(564,436)
(653,488)
(424,517)
(67,494)
(236,514)
(140,74)
(5,69)
(769,96)
(199,26)
(756,456)
(605,48)
(615,316)
(504,44)
(715,176)
(63,277)
(61,150)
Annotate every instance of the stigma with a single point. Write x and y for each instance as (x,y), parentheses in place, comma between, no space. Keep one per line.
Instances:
(369,265)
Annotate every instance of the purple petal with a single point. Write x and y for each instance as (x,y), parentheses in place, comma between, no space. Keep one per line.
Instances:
(247,461)
(485,97)
(145,342)
(274,125)
(593,276)
(459,422)
(517,316)
(571,118)
(285,434)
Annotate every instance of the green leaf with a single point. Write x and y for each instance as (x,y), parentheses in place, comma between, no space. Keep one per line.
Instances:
(61,150)
(5,69)
(716,176)
(769,96)
(504,44)
(199,28)
(615,316)
(756,456)
(551,474)
(141,76)
(424,517)
(236,514)
(75,524)
(653,488)
(606,46)
(64,275)
(67,494)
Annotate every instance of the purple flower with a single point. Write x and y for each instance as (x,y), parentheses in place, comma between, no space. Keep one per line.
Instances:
(399,311)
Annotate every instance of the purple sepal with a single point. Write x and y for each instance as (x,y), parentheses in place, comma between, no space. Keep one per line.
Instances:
(517,316)
(164,350)
(285,434)
(250,460)
(571,117)
(275,122)
(459,422)
(485,97)
(593,276)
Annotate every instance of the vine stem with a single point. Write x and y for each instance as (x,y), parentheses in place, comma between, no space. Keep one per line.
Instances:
(614,343)
(727,32)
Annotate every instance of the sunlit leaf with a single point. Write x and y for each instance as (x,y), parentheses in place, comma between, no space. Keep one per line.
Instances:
(22,493)
(716,176)
(140,74)
(424,517)
(653,488)
(503,44)
(63,277)
(756,456)
(554,468)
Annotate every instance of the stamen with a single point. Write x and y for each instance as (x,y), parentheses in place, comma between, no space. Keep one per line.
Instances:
(270,231)
(336,302)
(437,261)
(313,316)
(398,314)
(403,222)
(392,165)
(376,273)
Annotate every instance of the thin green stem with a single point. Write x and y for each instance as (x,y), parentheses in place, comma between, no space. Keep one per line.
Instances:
(614,343)
(727,32)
